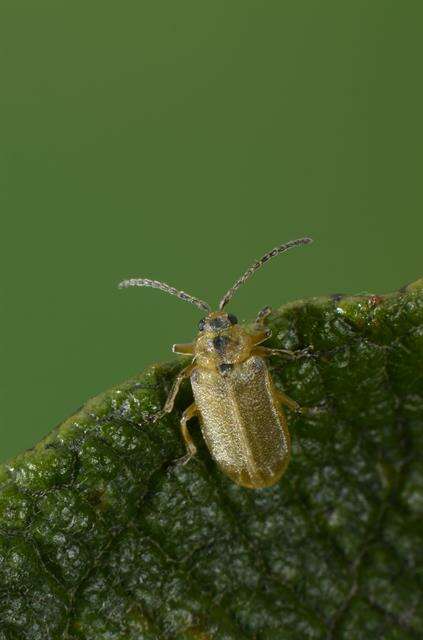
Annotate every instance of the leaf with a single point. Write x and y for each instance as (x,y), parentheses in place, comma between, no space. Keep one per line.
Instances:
(103,537)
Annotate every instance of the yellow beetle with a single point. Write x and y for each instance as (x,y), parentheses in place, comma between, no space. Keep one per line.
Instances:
(239,407)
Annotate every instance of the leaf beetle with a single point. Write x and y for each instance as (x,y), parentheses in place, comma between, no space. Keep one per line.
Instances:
(236,401)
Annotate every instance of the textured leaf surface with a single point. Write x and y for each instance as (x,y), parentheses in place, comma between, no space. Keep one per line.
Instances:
(102,537)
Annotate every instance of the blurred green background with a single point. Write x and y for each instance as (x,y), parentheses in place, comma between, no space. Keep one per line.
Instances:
(180,141)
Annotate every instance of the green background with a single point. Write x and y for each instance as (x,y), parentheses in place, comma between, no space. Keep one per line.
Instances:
(180,141)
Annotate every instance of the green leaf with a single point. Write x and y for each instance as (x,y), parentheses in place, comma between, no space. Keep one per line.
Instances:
(103,537)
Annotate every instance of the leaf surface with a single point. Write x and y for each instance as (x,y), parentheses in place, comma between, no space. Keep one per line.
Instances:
(102,537)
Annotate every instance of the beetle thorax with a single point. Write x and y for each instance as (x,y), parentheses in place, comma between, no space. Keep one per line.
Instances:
(221,343)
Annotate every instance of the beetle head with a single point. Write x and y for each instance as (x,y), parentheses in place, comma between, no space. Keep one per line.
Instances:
(217,321)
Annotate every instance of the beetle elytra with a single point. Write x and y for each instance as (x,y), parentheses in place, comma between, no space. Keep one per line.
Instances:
(237,403)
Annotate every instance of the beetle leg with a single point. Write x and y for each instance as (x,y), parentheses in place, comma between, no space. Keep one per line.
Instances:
(257,338)
(189,413)
(170,401)
(265,352)
(288,402)
(259,325)
(186,349)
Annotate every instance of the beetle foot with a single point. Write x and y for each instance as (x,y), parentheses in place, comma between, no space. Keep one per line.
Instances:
(303,353)
(185,459)
(182,461)
(262,316)
(152,418)
(303,411)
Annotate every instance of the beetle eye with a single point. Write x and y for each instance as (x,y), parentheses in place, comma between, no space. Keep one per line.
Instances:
(232,319)
(201,324)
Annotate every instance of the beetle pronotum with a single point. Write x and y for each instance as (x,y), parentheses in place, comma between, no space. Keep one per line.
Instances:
(239,407)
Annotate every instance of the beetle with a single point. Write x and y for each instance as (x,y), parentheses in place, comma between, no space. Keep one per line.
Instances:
(237,403)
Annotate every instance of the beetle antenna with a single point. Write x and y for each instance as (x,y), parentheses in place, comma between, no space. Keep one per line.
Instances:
(145,282)
(259,263)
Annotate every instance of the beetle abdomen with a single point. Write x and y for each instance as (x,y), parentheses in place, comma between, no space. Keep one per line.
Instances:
(242,424)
